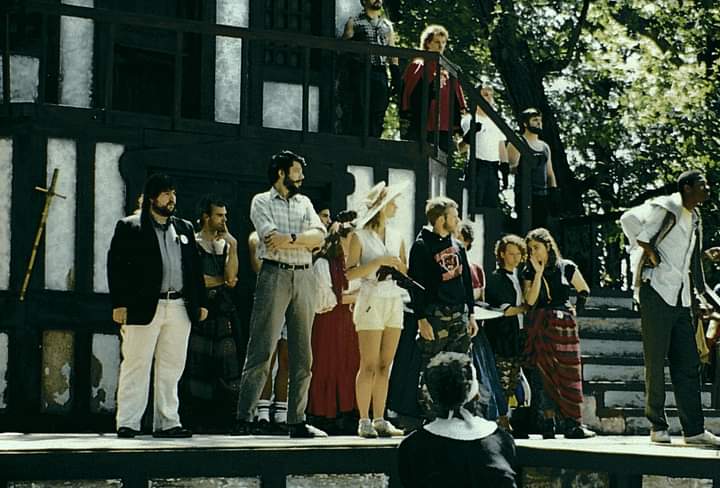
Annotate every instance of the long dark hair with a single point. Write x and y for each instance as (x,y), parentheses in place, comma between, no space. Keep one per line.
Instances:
(545,237)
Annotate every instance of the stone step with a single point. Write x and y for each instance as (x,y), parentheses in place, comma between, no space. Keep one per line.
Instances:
(601,347)
(613,394)
(636,423)
(609,326)
(615,368)
(610,302)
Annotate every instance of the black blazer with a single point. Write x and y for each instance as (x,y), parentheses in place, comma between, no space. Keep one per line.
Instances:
(135,268)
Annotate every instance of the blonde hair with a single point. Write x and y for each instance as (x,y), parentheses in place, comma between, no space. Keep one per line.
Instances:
(429,33)
(438,207)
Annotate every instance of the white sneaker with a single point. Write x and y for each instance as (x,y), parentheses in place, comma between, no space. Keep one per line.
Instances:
(705,439)
(366,429)
(660,436)
(386,429)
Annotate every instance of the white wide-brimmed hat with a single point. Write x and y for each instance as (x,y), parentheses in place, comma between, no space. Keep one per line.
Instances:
(378,196)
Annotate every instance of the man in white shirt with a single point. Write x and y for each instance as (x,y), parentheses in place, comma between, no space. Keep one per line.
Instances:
(490,152)
(287,228)
(669,231)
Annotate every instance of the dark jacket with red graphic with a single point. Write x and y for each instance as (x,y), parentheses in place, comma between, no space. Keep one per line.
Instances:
(440,265)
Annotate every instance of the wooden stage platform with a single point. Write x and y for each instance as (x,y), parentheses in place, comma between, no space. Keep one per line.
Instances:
(136,461)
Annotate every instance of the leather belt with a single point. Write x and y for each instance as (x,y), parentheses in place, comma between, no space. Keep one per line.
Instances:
(280,265)
(171,295)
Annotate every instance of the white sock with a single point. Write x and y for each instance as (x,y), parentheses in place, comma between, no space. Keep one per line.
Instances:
(263,410)
(280,414)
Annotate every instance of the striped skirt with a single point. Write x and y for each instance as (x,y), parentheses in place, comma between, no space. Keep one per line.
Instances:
(553,347)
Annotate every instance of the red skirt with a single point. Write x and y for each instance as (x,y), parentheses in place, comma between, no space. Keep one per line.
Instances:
(553,347)
(336,359)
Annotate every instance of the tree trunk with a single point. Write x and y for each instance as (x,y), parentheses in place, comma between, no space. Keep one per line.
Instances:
(524,83)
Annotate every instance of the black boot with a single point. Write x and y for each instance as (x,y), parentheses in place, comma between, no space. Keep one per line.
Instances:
(548,428)
(575,430)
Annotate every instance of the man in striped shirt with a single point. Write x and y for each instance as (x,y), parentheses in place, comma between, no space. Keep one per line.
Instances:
(288,228)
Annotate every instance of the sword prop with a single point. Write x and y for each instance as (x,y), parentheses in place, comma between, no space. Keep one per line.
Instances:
(49,194)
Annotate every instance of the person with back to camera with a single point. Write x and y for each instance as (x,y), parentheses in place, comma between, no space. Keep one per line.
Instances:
(458,449)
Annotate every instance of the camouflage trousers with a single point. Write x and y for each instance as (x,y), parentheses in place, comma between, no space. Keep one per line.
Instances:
(450,328)
(508,373)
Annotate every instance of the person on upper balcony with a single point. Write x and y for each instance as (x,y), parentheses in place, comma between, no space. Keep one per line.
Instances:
(373,27)
(434,38)
(542,175)
(490,151)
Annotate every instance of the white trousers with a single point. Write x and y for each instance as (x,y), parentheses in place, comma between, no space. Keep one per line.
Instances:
(165,339)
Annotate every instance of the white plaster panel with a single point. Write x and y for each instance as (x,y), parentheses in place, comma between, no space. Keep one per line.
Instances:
(23,78)
(465,196)
(282,106)
(206,483)
(476,254)
(4,359)
(60,230)
(364,178)
(106,371)
(344,9)
(109,207)
(76,57)
(373,480)
(6,173)
(228,60)
(404,220)
(228,79)
(437,177)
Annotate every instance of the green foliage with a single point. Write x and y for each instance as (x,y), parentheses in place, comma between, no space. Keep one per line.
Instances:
(639,100)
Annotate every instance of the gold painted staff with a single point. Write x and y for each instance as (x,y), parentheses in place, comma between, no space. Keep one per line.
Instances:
(49,194)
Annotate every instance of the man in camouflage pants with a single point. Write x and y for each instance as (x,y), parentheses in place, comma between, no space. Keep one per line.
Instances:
(444,308)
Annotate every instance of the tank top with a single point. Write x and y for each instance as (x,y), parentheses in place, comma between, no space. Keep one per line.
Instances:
(372,248)
(538,174)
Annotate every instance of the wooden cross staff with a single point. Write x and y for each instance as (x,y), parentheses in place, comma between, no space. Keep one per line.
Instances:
(49,194)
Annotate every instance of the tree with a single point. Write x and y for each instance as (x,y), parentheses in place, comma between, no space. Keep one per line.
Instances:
(628,87)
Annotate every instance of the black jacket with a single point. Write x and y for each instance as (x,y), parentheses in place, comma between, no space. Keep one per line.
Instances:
(439,264)
(503,333)
(135,268)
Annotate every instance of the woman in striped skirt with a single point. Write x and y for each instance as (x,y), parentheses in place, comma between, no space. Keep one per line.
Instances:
(553,344)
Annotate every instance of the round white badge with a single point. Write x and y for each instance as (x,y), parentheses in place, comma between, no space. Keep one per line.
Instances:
(184,239)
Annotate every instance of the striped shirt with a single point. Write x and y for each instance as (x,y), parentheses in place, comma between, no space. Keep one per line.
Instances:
(377,32)
(269,211)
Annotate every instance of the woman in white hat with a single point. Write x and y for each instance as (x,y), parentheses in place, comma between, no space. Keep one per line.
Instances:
(378,312)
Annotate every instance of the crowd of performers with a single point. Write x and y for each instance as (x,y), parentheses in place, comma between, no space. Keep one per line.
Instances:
(338,305)
(351,331)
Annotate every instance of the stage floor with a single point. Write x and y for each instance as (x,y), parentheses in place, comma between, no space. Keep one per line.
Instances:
(628,445)
(92,456)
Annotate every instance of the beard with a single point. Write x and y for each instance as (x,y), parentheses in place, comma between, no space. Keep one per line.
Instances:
(535,130)
(374,5)
(292,186)
(164,211)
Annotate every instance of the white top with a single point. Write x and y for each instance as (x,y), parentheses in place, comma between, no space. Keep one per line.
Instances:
(672,276)
(487,138)
(372,248)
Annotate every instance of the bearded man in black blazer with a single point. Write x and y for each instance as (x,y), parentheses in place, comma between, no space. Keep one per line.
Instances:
(157,293)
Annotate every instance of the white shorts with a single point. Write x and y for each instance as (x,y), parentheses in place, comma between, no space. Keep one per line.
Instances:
(372,312)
